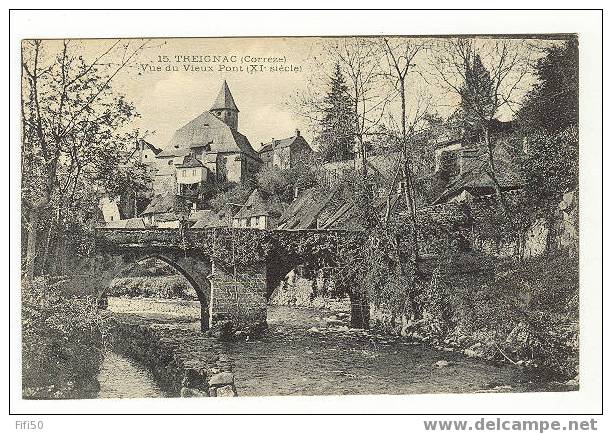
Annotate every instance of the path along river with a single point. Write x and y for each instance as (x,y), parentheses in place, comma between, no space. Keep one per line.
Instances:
(301,355)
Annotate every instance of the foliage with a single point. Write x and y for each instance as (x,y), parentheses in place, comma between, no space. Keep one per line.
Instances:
(231,193)
(61,342)
(174,286)
(76,140)
(337,125)
(551,165)
(526,315)
(553,103)
(477,93)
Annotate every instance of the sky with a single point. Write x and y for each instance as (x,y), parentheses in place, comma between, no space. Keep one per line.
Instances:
(167,100)
(172,81)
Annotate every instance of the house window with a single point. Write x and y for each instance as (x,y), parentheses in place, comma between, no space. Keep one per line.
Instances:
(170,162)
(193,172)
(146,156)
(184,172)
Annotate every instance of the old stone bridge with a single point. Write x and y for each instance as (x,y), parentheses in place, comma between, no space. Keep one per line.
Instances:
(233,271)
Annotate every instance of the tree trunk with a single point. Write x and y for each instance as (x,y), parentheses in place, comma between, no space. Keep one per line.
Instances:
(493,170)
(31,244)
(360,311)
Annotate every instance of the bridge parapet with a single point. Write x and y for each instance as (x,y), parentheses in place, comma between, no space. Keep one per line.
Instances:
(235,269)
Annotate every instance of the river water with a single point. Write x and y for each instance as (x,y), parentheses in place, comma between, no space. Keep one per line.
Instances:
(123,378)
(301,354)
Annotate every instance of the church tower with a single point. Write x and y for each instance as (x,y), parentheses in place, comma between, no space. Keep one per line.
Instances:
(225,108)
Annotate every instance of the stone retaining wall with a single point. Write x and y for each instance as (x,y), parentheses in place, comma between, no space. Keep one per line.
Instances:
(183,361)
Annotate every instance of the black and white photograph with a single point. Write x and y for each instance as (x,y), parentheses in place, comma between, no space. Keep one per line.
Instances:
(270,216)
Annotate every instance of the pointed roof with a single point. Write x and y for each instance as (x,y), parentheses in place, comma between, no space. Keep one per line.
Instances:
(258,205)
(224,100)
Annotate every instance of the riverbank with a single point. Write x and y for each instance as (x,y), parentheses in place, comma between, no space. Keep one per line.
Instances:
(62,341)
(183,361)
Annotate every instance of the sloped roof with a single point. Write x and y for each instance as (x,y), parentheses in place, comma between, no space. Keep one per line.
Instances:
(279,143)
(303,212)
(190,161)
(224,99)
(208,131)
(132,223)
(144,143)
(203,214)
(221,219)
(475,174)
(258,205)
(161,203)
(173,152)
(166,217)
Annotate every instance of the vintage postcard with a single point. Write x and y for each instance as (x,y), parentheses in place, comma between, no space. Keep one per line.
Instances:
(265,216)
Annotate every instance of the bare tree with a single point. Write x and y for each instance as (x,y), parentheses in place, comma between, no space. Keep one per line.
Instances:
(71,119)
(487,75)
(359,60)
(400,55)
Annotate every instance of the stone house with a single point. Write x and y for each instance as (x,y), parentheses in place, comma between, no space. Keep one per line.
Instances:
(109,208)
(221,219)
(285,153)
(146,151)
(161,212)
(259,212)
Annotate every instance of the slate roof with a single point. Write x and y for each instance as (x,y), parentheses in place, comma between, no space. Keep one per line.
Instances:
(166,217)
(224,99)
(221,219)
(304,211)
(174,152)
(203,214)
(210,132)
(161,203)
(258,205)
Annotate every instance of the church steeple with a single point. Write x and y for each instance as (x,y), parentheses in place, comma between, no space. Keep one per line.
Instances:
(225,108)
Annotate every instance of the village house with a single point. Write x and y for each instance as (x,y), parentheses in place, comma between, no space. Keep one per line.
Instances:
(259,212)
(285,153)
(221,219)
(458,173)
(161,212)
(109,208)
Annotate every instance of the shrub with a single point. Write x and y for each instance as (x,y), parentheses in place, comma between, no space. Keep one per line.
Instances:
(173,286)
(526,314)
(62,338)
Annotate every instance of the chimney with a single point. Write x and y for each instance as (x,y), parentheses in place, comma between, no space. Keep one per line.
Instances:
(297,132)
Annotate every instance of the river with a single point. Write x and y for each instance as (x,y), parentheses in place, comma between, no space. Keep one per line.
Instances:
(301,355)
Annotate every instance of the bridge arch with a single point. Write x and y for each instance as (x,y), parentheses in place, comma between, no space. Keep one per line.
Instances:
(195,270)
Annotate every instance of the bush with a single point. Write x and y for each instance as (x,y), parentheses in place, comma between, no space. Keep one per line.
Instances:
(62,338)
(173,286)
(527,314)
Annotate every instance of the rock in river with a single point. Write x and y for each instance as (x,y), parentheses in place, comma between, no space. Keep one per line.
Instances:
(221,379)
